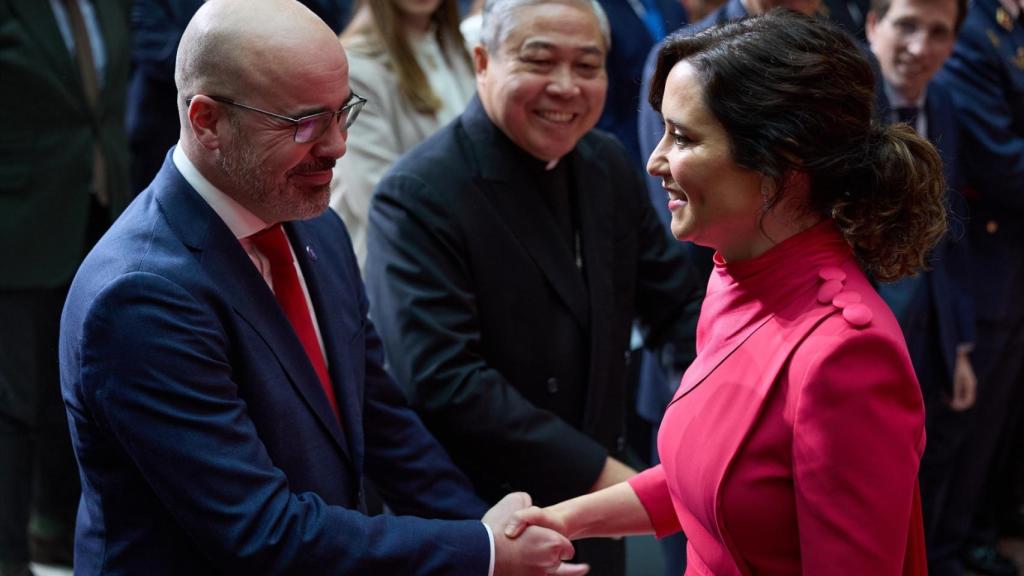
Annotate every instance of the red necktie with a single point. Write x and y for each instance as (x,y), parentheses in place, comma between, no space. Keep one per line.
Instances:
(273,244)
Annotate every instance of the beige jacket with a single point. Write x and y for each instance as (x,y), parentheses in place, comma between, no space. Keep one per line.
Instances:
(388,126)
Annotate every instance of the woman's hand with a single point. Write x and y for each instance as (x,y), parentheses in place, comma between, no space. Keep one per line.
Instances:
(534,516)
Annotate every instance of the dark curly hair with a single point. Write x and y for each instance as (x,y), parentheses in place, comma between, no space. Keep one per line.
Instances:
(795,95)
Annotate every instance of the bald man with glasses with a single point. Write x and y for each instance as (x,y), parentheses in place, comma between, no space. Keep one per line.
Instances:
(224,386)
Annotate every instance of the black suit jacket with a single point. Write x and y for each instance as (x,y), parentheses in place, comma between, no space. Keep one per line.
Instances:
(47,134)
(514,358)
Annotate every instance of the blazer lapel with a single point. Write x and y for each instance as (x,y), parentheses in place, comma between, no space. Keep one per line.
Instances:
(737,388)
(336,329)
(529,221)
(504,179)
(243,287)
(41,26)
(701,368)
(114,29)
(596,238)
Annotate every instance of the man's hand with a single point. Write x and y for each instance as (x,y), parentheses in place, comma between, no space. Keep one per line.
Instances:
(534,516)
(612,473)
(965,384)
(1014,7)
(536,552)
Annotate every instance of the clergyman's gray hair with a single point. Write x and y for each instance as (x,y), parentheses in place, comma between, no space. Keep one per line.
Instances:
(499,17)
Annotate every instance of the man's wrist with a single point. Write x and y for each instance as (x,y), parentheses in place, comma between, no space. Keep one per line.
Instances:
(490,539)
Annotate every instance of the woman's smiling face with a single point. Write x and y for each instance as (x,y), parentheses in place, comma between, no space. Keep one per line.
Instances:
(714,201)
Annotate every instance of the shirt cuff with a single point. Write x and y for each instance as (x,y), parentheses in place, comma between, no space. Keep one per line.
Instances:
(490,538)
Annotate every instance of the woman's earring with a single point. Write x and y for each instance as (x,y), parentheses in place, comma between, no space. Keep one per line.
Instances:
(767,191)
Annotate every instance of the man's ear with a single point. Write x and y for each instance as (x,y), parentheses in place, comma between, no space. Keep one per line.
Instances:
(204,116)
(480,60)
(869,25)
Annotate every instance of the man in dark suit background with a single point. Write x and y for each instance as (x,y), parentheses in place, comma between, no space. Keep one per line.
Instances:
(986,76)
(912,40)
(63,178)
(224,386)
(636,26)
(508,257)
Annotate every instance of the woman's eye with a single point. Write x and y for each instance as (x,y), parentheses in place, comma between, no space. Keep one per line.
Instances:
(681,139)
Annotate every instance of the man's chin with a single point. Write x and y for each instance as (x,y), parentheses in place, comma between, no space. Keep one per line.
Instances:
(305,203)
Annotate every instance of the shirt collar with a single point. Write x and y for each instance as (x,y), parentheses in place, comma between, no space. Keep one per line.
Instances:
(896,100)
(239,220)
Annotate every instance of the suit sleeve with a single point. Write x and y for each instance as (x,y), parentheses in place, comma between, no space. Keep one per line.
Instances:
(958,268)
(156,375)
(424,302)
(407,464)
(987,101)
(858,435)
(652,490)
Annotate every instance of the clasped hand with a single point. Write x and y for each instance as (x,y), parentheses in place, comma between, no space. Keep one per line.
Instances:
(531,549)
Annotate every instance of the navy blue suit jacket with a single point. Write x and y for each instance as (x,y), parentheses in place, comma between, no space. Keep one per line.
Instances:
(631,40)
(943,292)
(204,439)
(986,76)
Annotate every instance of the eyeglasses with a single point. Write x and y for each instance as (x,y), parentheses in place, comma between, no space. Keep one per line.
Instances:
(309,128)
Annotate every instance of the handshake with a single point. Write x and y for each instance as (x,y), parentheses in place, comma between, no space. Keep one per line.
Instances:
(522,546)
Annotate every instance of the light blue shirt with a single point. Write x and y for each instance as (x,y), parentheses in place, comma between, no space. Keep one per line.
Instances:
(92,27)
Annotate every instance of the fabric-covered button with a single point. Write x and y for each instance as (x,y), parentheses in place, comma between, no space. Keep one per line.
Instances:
(828,291)
(844,299)
(552,385)
(857,314)
(831,273)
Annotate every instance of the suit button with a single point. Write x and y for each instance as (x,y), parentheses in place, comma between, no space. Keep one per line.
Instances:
(627,357)
(991,226)
(552,385)
(620,443)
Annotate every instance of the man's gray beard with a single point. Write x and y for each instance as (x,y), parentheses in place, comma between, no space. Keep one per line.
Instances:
(247,175)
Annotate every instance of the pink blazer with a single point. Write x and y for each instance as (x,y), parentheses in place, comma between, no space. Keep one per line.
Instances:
(792,447)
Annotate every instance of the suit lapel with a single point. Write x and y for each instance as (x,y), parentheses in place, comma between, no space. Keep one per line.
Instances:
(731,400)
(41,25)
(114,29)
(596,236)
(528,220)
(243,287)
(336,330)
(506,183)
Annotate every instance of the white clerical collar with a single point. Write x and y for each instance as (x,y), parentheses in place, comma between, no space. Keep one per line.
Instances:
(239,220)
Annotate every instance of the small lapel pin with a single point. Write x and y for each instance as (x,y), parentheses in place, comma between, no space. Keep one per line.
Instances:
(311,252)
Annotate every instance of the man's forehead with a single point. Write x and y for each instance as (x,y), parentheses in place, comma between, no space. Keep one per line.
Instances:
(554,26)
(927,5)
(557,43)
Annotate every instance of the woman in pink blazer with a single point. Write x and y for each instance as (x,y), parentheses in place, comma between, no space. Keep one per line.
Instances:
(793,442)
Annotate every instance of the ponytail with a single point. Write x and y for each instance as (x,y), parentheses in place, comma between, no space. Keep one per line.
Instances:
(892,209)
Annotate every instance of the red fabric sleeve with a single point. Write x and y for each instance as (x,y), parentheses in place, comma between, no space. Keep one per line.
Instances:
(651,488)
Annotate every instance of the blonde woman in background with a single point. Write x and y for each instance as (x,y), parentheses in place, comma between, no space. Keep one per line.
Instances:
(408,58)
